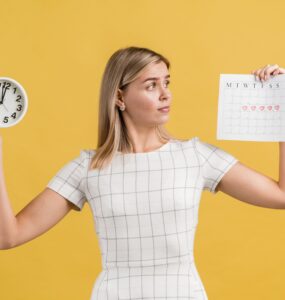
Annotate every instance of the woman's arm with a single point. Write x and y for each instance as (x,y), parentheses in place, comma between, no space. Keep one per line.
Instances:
(248,185)
(42,213)
(37,217)
(282,166)
(8,222)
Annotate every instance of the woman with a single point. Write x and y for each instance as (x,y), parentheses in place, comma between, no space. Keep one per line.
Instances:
(143,186)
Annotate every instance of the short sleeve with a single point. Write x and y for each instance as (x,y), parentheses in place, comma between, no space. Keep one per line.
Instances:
(215,163)
(68,180)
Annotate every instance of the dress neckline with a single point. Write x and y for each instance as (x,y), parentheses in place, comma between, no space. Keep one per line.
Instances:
(161,148)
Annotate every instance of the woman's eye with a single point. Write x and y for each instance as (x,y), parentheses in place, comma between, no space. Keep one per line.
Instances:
(167,83)
(151,85)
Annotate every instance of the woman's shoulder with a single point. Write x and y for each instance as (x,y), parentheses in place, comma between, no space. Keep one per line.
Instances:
(87,152)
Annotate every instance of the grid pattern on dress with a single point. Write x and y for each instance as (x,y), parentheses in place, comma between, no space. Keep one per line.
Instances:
(68,180)
(145,208)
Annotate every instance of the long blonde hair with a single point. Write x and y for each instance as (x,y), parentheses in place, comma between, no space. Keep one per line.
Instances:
(122,68)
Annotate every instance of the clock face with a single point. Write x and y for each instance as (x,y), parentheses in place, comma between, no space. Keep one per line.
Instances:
(13,102)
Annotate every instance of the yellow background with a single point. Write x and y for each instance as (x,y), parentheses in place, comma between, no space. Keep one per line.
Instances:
(58,49)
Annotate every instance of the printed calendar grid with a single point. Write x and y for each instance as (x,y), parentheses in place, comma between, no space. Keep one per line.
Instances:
(251,110)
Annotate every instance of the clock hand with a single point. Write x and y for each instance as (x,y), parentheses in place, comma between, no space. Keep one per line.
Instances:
(5,107)
(4,89)
(4,95)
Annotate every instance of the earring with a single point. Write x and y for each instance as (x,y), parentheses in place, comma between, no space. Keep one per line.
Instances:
(122,107)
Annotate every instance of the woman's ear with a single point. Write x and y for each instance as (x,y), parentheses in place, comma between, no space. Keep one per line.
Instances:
(120,94)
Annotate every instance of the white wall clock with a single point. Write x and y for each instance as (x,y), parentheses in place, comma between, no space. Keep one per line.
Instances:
(13,102)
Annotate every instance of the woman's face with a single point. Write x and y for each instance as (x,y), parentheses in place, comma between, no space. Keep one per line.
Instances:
(144,96)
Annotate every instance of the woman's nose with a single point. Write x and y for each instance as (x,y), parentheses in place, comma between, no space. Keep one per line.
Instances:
(164,91)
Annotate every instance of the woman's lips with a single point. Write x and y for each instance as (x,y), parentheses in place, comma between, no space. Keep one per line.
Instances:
(164,109)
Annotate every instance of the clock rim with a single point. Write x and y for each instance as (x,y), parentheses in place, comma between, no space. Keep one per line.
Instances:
(23,91)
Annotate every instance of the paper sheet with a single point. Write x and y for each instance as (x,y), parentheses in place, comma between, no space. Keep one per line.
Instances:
(251,110)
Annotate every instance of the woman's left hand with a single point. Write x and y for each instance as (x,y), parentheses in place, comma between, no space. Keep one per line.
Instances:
(265,72)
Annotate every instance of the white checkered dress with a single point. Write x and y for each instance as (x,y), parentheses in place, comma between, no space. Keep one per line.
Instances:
(145,209)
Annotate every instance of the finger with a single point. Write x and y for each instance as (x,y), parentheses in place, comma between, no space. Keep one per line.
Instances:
(253,73)
(262,73)
(270,70)
(280,71)
(275,72)
(257,74)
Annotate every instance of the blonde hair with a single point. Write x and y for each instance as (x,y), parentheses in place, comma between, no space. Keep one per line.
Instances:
(122,68)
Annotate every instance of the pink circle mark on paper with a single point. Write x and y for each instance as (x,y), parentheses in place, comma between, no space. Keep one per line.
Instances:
(276,107)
